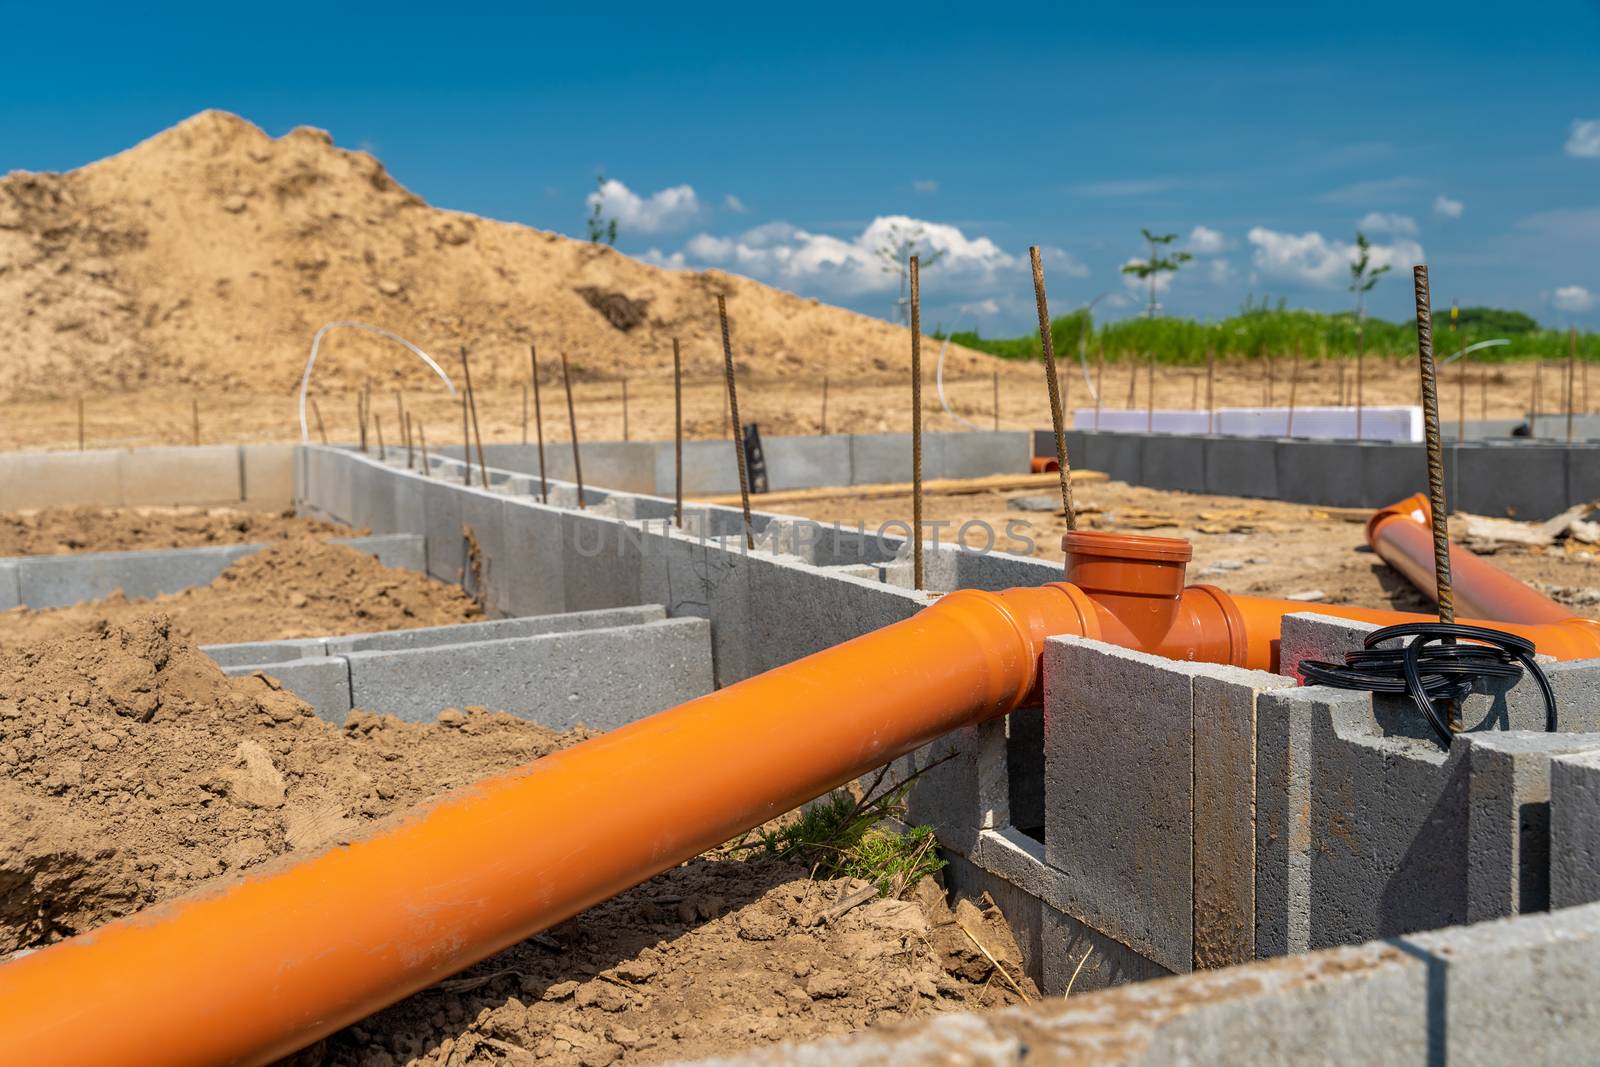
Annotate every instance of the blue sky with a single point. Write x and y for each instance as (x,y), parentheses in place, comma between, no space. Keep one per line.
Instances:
(782,143)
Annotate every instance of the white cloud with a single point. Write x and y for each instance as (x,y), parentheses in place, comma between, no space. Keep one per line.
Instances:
(846,267)
(1447,208)
(1204,241)
(734,204)
(1584,140)
(1382,222)
(925,185)
(1362,193)
(1220,271)
(990,306)
(1573,298)
(660,212)
(1312,259)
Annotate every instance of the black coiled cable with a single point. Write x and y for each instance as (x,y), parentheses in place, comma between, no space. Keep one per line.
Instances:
(1434,669)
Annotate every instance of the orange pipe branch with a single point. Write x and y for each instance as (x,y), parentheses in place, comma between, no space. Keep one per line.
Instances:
(252,971)
(1402,536)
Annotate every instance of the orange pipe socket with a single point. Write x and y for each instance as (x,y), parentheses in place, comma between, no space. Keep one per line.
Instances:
(252,971)
(1045,464)
(1402,536)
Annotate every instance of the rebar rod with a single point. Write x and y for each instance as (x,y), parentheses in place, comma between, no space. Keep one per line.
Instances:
(733,416)
(916,425)
(1047,343)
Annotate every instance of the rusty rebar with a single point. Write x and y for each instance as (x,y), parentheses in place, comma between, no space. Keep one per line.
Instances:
(916,425)
(1430,423)
(316,411)
(733,416)
(472,405)
(422,440)
(1047,343)
(572,420)
(466,440)
(361,418)
(538,421)
(677,433)
(410,453)
(400,417)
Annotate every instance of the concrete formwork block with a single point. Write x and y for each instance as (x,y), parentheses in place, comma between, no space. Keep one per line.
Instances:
(709,468)
(267,476)
(1508,865)
(408,551)
(261,652)
(1242,466)
(1224,725)
(1526,481)
(1359,833)
(1574,829)
(1321,472)
(880,457)
(1391,472)
(58,581)
(1112,715)
(799,462)
(1583,473)
(961,786)
(207,475)
(1106,962)
(60,479)
(483,528)
(495,630)
(446,543)
(1119,455)
(1173,463)
(322,681)
(601,561)
(534,582)
(10,585)
(980,453)
(603,678)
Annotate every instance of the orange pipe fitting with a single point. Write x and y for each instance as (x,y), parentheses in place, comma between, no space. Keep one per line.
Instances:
(1402,536)
(1045,464)
(252,971)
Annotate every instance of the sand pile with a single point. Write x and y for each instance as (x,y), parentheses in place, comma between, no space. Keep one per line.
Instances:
(299,587)
(210,253)
(132,769)
(53,531)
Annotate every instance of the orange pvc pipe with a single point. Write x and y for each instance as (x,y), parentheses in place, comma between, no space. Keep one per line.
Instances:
(254,970)
(1044,464)
(1402,536)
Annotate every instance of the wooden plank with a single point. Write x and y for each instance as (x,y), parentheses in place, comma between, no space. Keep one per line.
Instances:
(992,483)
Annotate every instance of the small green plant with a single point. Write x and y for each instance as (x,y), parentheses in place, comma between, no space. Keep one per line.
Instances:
(839,836)
(600,227)
(1150,270)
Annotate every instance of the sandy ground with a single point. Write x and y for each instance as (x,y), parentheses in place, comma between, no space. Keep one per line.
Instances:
(300,587)
(1257,547)
(872,403)
(55,531)
(135,772)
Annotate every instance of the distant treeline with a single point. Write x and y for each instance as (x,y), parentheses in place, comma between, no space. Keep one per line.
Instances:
(1261,331)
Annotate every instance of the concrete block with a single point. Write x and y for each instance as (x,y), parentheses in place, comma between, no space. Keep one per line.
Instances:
(1116,716)
(601,561)
(1508,864)
(604,678)
(1391,472)
(1224,813)
(59,581)
(1321,472)
(532,576)
(261,652)
(1240,466)
(1119,455)
(10,585)
(267,478)
(709,467)
(207,475)
(981,453)
(495,630)
(1106,961)
(1525,481)
(1173,463)
(323,682)
(962,786)
(794,462)
(1574,829)
(408,551)
(1583,473)
(483,530)
(446,543)
(60,479)
(880,457)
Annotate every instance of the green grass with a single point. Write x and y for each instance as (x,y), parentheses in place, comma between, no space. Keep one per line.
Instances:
(840,836)
(1260,331)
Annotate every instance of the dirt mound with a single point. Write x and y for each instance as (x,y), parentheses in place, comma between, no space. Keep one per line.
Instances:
(54,531)
(300,587)
(134,770)
(209,254)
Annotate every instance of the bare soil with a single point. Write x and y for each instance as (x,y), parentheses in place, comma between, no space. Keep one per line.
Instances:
(58,531)
(299,587)
(1252,547)
(136,772)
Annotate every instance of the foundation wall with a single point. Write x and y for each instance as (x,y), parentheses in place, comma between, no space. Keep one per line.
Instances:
(256,477)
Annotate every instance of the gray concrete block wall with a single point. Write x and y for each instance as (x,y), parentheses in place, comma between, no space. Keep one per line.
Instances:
(1574,829)
(250,476)
(1522,480)
(321,681)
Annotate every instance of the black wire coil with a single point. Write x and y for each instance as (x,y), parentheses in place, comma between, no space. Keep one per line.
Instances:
(1434,670)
